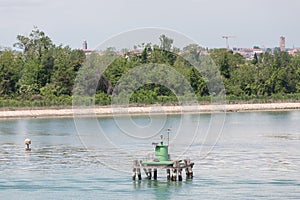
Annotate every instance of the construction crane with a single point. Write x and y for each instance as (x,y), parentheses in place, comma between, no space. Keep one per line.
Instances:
(227,42)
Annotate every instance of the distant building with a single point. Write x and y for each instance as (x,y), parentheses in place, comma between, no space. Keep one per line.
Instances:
(84,45)
(282,43)
(248,53)
(294,51)
(85,48)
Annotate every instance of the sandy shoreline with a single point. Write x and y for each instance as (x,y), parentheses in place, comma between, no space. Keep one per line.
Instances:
(109,111)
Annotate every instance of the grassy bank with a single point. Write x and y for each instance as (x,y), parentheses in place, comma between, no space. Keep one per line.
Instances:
(67,101)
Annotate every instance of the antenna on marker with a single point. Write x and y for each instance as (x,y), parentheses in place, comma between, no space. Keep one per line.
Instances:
(168,132)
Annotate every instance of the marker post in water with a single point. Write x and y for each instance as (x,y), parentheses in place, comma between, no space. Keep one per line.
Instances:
(27,143)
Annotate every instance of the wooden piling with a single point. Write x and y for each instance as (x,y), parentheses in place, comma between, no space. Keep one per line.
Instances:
(139,174)
(168,174)
(180,175)
(155,173)
(149,175)
(188,169)
(174,170)
(133,174)
(145,170)
(174,175)
(134,170)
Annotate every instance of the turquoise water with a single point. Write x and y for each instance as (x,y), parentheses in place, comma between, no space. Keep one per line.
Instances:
(237,156)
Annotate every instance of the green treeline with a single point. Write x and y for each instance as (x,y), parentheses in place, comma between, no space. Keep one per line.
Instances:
(44,74)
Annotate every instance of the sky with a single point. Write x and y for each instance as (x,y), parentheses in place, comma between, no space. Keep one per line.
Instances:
(69,22)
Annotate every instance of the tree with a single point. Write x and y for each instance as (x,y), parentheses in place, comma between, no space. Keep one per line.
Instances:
(35,44)
(223,59)
(255,59)
(224,66)
(146,51)
(157,56)
(165,43)
(38,61)
(63,71)
(28,82)
(45,69)
(10,67)
(198,83)
(193,51)
(52,72)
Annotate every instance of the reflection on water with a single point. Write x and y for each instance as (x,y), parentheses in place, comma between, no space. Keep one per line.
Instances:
(159,189)
(256,157)
(285,136)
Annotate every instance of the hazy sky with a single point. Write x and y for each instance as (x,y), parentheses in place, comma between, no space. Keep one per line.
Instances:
(69,22)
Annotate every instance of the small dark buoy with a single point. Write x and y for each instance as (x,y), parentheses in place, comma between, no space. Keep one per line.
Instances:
(27,143)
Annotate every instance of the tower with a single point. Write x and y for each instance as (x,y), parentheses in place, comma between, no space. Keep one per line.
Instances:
(84,45)
(282,43)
